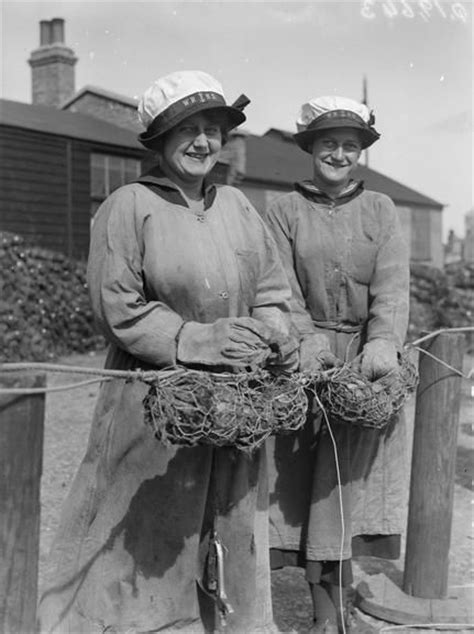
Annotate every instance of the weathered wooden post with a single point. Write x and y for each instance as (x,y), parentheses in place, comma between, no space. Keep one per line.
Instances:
(423,599)
(433,468)
(21,451)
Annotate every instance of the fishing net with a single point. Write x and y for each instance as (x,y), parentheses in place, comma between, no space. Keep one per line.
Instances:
(192,407)
(349,397)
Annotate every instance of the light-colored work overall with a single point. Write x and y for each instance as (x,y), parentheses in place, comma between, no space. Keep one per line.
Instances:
(134,532)
(347,263)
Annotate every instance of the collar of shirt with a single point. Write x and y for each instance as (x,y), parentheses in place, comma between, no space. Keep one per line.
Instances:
(164,187)
(350,191)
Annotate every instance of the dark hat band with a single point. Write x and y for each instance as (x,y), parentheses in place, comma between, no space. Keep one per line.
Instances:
(337,119)
(174,113)
(190,105)
(337,114)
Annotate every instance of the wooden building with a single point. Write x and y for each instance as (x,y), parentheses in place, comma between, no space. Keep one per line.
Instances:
(56,169)
(58,166)
(63,154)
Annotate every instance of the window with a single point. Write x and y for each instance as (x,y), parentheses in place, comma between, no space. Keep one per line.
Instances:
(420,234)
(109,172)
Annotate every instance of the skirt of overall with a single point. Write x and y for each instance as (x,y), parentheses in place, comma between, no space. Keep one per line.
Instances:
(133,539)
(317,518)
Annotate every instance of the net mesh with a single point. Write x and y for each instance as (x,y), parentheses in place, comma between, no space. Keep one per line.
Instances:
(195,407)
(350,398)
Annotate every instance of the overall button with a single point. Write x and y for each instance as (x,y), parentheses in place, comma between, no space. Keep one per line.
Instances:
(224,295)
(200,218)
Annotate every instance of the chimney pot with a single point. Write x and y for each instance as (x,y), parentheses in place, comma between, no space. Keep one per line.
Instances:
(45,32)
(57,30)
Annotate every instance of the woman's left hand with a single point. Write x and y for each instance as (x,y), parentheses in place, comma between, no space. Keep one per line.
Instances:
(285,357)
(379,358)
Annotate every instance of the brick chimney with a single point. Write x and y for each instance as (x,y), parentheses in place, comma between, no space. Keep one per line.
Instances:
(52,66)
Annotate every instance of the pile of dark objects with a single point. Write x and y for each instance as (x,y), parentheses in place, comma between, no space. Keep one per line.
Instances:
(44,304)
(45,311)
(442,299)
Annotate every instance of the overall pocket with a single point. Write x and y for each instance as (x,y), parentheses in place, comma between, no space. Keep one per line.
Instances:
(361,261)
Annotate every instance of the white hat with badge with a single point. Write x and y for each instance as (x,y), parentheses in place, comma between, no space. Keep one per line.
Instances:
(173,98)
(331,111)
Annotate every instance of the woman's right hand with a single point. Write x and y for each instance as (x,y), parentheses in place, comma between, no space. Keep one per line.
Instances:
(233,341)
(315,354)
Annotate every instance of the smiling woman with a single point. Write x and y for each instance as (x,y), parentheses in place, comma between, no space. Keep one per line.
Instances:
(136,548)
(190,151)
(335,155)
(347,263)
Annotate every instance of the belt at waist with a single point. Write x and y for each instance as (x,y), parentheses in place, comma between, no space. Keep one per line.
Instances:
(339,326)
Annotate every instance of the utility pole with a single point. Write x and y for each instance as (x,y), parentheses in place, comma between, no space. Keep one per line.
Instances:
(366,102)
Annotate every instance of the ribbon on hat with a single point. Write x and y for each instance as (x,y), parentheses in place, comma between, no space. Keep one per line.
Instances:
(241,102)
(175,112)
(337,114)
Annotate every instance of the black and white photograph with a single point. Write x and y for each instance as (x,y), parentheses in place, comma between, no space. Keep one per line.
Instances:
(236,317)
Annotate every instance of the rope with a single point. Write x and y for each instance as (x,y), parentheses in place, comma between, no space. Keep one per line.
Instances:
(165,373)
(439,332)
(430,626)
(341,509)
(446,365)
(46,390)
(72,369)
(106,375)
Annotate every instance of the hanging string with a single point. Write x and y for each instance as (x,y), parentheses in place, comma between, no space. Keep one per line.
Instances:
(446,365)
(341,507)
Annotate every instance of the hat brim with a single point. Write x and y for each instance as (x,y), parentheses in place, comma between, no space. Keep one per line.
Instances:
(306,138)
(234,117)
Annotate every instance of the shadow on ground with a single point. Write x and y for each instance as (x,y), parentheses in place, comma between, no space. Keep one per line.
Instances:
(465,467)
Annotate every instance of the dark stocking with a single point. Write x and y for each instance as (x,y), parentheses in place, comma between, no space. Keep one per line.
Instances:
(323,607)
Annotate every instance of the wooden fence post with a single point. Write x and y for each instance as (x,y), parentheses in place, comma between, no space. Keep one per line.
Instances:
(433,468)
(21,452)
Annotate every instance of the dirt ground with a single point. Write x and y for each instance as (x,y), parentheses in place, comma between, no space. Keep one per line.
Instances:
(68,417)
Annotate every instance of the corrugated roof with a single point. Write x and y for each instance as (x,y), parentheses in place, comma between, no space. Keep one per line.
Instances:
(275,158)
(67,124)
(101,92)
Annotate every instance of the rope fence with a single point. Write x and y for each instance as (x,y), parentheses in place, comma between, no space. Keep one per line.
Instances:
(171,373)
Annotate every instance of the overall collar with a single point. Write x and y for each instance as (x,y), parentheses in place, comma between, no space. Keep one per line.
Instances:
(309,190)
(164,187)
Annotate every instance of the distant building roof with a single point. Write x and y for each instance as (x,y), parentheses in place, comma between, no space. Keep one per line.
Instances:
(275,158)
(100,92)
(68,124)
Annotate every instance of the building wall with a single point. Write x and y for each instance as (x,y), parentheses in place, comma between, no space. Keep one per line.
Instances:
(261,195)
(426,244)
(468,251)
(104,108)
(45,188)
(81,199)
(33,186)
(404,213)
(436,238)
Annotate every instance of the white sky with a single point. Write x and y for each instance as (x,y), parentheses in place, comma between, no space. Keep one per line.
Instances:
(418,64)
